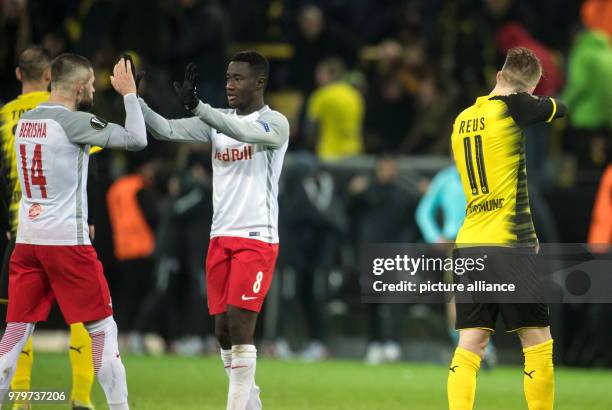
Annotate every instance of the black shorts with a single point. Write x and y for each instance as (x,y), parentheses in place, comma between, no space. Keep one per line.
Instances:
(515,315)
(4,274)
(518,310)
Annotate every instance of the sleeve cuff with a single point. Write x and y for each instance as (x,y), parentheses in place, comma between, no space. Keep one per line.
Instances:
(554,109)
(201,109)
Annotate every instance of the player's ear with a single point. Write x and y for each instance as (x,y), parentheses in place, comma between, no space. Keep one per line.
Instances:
(498,77)
(261,82)
(78,87)
(18,74)
(47,75)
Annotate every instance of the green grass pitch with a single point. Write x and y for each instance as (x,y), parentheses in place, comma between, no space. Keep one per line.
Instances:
(166,383)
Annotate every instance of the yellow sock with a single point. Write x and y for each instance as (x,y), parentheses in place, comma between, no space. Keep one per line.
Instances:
(81,362)
(539,379)
(23,373)
(462,379)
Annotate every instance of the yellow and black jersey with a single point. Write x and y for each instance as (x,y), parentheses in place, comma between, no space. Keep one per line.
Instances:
(9,116)
(489,149)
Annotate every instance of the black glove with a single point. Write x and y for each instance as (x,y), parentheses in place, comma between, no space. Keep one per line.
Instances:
(187,91)
(137,76)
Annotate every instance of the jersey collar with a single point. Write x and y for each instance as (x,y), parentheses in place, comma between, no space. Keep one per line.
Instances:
(254,114)
(482,99)
(50,105)
(33,94)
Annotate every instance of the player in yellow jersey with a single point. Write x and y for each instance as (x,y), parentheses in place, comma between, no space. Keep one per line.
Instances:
(34,73)
(489,149)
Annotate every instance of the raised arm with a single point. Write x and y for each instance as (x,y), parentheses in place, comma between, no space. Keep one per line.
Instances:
(133,136)
(527,109)
(271,129)
(86,128)
(182,130)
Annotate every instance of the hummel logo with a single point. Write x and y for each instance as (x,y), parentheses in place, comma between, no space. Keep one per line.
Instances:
(529,374)
(245,297)
(452,369)
(77,349)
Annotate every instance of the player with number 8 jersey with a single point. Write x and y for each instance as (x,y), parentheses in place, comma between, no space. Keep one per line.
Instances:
(248,144)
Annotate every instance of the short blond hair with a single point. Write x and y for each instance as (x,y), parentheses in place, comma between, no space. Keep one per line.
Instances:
(522,68)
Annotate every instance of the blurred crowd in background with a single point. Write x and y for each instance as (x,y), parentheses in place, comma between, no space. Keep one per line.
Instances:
(371,88)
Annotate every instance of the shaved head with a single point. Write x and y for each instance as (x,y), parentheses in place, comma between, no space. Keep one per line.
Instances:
(72,75)
(67,69)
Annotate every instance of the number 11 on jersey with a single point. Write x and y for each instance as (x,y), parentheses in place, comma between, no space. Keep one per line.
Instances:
(480,163)
(36,177)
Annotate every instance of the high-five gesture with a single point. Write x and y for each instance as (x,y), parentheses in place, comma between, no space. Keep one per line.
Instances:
(138,76)
(244,238)
(122,79)
(188,91)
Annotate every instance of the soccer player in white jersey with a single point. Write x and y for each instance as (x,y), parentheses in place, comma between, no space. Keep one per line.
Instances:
(248,142)
(53,257)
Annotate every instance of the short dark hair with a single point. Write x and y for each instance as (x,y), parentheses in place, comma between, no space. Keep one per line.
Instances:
(68,67)
(334,66)
(522,68)
(33,62)
(256,61)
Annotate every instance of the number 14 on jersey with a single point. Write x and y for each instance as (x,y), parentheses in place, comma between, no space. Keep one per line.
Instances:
(33,175)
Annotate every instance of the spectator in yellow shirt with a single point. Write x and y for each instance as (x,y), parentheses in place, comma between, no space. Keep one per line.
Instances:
(335,113)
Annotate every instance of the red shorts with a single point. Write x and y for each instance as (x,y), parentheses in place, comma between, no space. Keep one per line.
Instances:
(39,274)
(238,272)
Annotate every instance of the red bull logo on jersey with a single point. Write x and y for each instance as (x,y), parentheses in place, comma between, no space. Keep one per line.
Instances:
(235,154)
(34,211)
(33,130)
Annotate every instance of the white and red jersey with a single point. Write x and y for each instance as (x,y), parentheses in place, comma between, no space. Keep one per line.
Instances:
(245,186)
(52,147)
(247,158)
